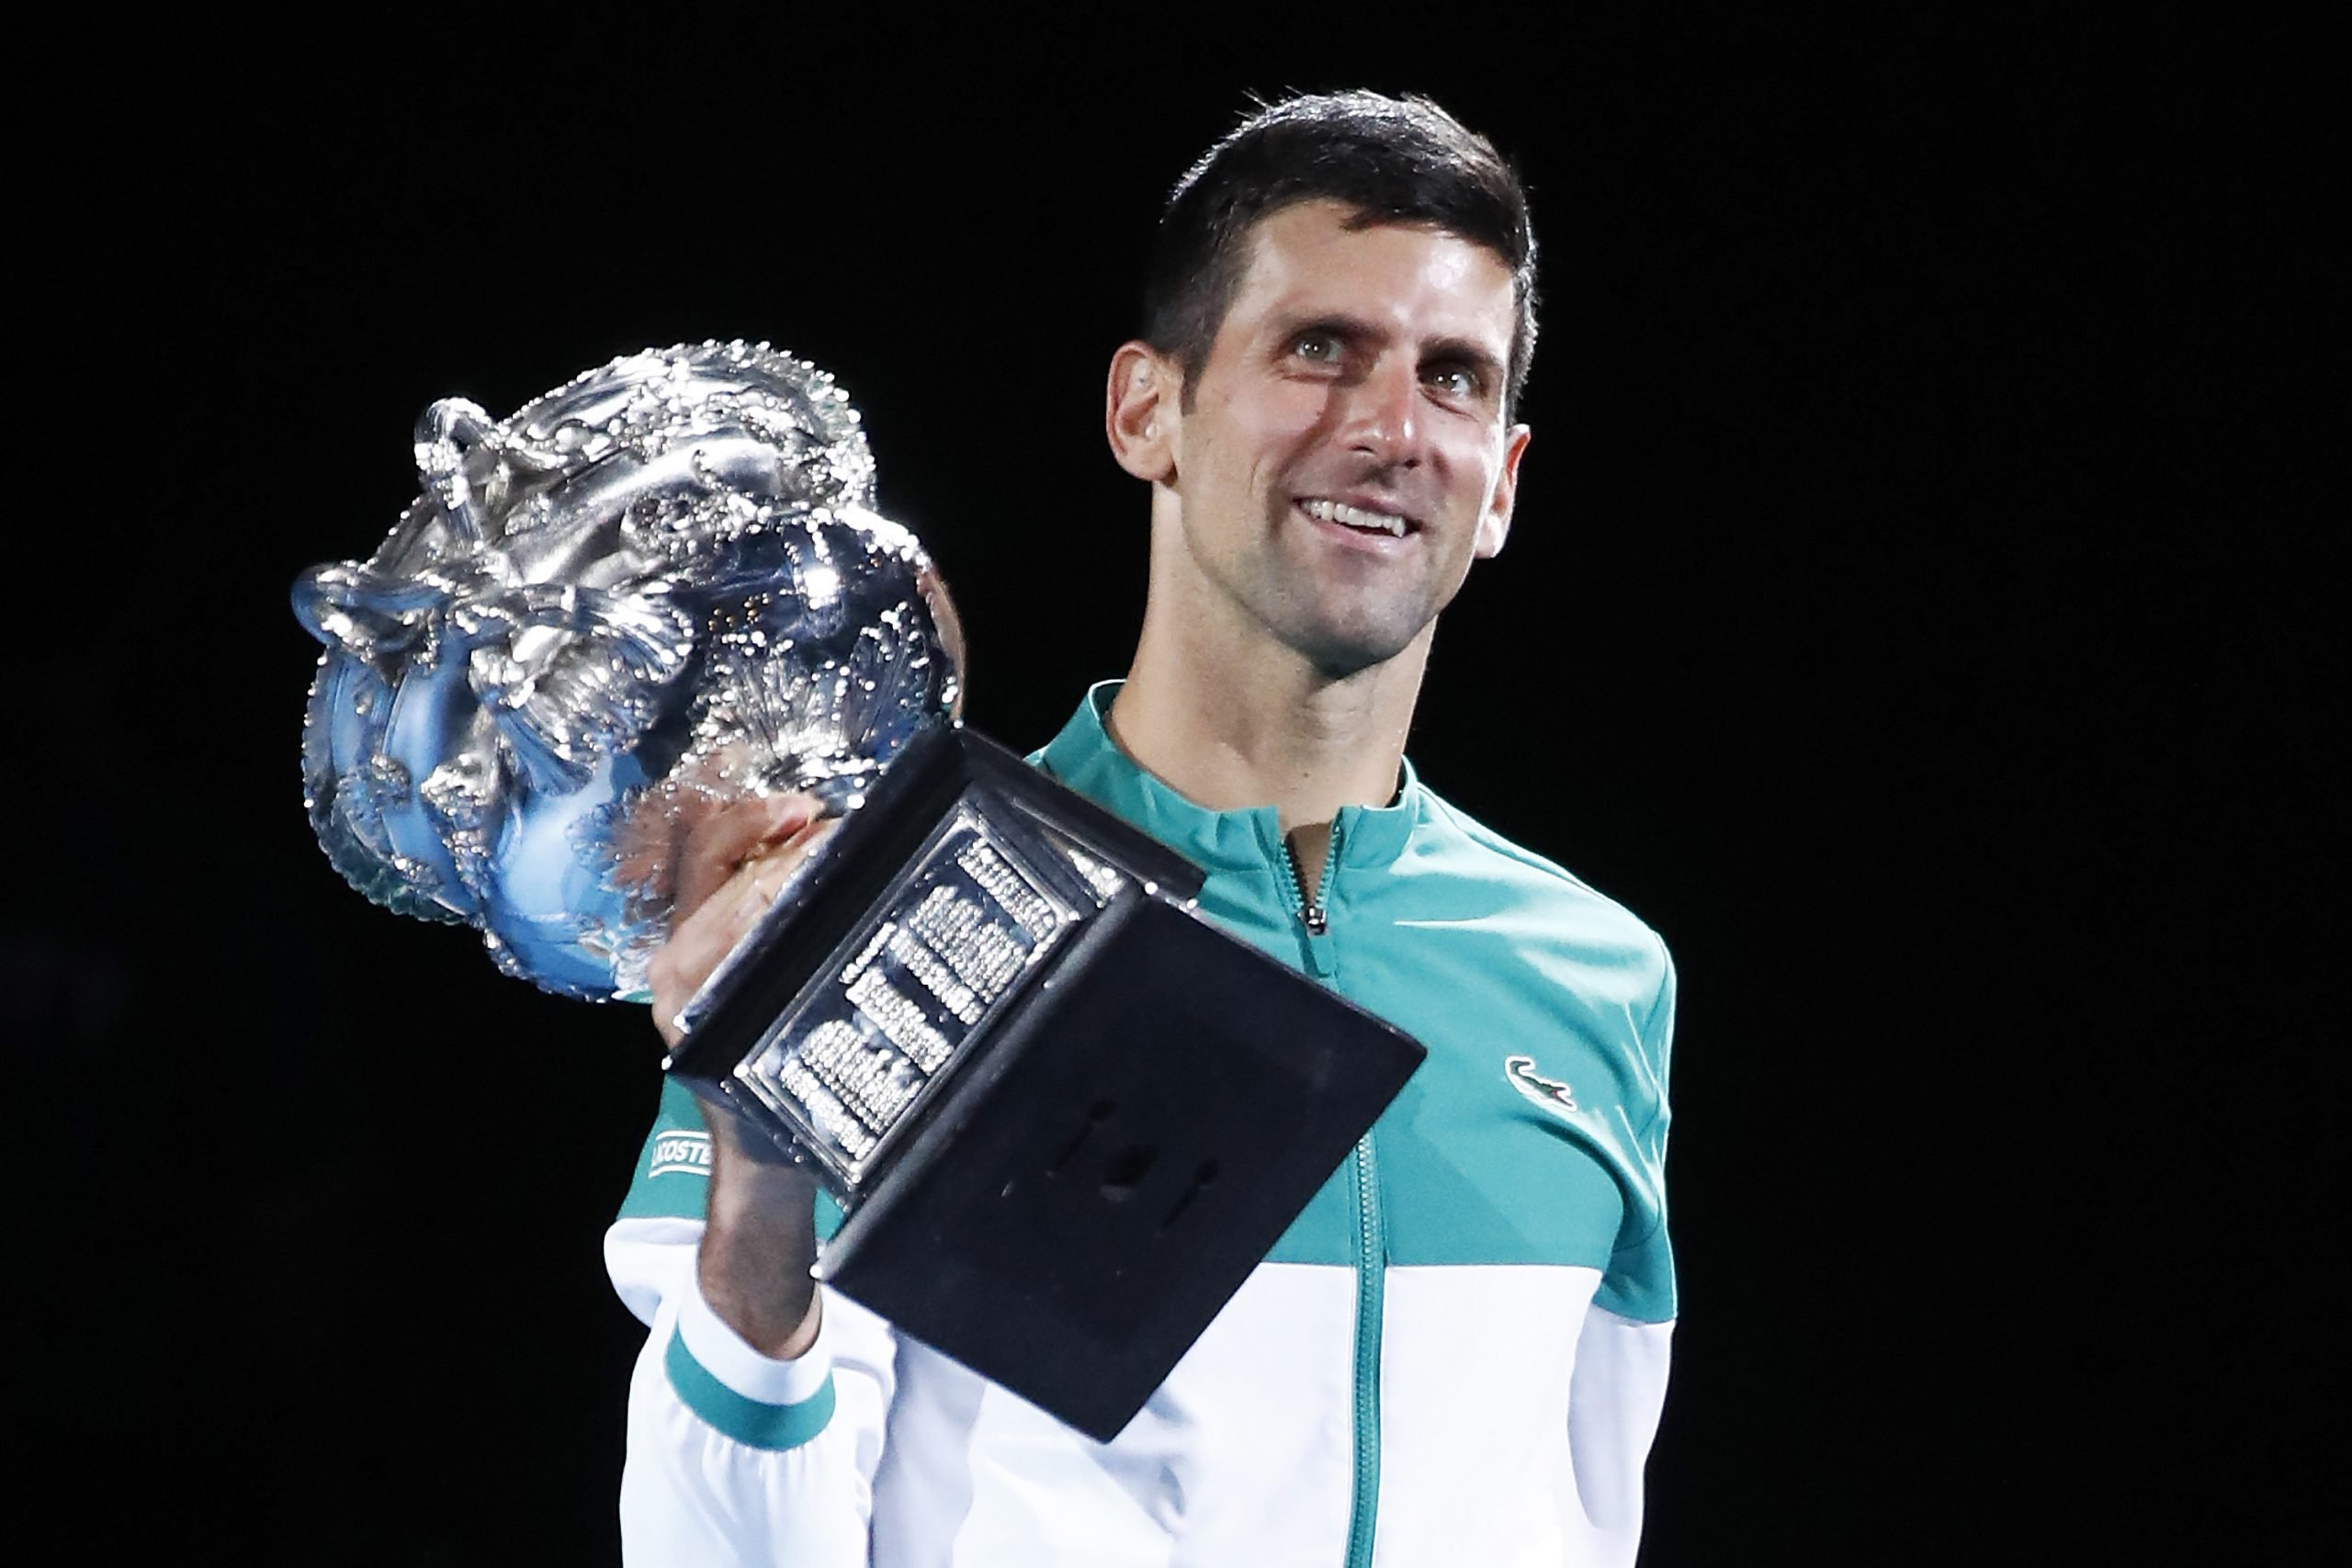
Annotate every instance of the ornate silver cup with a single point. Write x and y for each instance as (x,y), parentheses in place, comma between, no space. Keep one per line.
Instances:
(659,586)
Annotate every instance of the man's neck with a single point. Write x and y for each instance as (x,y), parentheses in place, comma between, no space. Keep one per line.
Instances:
(1232,733)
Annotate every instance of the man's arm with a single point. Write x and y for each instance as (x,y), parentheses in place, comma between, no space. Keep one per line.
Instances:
(1615,1402)
(756,1410)
(761,1239)
(1618,1391)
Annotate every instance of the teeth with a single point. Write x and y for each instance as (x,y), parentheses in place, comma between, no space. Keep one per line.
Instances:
(1354,517)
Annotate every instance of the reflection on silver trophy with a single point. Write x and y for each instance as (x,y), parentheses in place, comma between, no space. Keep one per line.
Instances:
(657,588)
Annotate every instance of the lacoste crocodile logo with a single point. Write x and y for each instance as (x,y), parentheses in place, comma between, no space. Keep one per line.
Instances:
(1549,1093)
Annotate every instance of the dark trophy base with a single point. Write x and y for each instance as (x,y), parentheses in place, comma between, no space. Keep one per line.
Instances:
(1065,1117)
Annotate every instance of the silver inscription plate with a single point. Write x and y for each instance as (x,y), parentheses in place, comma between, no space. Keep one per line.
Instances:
(848,1063)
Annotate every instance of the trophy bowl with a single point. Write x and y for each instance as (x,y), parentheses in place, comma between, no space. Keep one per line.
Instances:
(658,588)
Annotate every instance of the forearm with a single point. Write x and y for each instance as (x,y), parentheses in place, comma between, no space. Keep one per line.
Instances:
(760,1245)
(756,1418)
(759,1248)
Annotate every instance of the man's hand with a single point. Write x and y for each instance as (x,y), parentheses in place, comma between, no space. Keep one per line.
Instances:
(759,1242)
(737,860)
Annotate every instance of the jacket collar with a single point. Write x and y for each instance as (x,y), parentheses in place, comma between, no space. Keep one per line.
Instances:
(1084,757)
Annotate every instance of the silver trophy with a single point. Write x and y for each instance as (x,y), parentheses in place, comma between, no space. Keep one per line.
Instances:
(658,588)
(1063,1116)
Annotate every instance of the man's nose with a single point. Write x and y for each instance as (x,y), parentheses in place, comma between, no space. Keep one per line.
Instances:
(1384,413)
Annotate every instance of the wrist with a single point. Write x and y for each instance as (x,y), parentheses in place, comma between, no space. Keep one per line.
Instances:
(777,1322)
(752,1357)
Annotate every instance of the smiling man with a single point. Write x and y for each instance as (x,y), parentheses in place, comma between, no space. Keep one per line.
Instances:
(1321,481)
(1458,1352)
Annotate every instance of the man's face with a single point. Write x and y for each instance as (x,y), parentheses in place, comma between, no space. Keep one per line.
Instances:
(1344,457)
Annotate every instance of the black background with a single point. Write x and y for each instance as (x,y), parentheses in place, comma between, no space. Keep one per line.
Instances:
(1915,612)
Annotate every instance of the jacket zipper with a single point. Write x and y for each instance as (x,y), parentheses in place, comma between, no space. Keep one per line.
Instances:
(1313,910)
(1371,1277)
(1372,1249)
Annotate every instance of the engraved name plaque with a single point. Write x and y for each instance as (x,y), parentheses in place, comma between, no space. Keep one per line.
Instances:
(845,1066)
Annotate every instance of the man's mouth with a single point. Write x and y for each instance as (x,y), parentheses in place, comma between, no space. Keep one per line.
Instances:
(1363,519)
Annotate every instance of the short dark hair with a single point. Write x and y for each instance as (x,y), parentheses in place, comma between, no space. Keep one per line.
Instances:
(1393,159)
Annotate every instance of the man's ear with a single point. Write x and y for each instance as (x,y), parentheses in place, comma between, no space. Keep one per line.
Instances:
(1140,412)
(1494,526)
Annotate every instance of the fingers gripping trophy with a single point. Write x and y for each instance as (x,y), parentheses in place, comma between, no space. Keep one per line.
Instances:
(662,589)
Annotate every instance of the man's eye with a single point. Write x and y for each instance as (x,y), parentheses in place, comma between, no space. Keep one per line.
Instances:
(1454,380)
(1321,348)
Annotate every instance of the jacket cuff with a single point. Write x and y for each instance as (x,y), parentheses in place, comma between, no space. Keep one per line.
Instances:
(753,1399)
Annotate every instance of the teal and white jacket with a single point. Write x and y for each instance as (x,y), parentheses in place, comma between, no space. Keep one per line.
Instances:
(1456,1355)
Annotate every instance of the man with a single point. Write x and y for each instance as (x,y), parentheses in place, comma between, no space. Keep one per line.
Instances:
(1458,1352)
